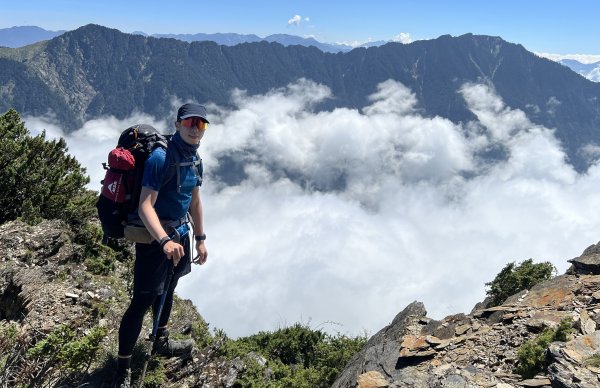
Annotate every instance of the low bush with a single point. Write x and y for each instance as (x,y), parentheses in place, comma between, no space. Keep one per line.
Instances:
(514,278)
(295,357)
(593,360)
(531,355)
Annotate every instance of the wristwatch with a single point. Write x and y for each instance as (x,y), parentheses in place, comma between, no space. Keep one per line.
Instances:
(163,241)
(200,237)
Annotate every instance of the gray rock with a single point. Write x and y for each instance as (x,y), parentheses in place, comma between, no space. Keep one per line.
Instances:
(567,362)
(549,318)
(540,382)
(585,324)
(457,381)
(381,352)
(47,242)
(413,378)
(487,302)
(589,261)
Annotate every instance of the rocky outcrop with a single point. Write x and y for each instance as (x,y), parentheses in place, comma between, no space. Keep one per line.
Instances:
(44,283)
(566,359)
(480,349)
(33,258)
(589,261)
(380,354)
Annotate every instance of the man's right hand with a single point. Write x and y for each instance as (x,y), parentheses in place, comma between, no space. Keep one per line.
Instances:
(174,251)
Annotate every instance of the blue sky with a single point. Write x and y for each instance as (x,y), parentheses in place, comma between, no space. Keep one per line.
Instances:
(551,26)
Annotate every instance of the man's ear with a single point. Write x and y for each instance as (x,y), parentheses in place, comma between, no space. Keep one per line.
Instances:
(177,125)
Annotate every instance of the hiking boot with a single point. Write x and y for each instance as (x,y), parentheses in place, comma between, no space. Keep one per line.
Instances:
(122,379)
(172,348)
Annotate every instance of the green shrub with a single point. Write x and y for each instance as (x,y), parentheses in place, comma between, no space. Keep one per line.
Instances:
(514,278)
(63,348)
(100,265)
(13,346)
(38,179)
(8,340)
(593,360)
(531,355)
(278,375)
(296,357)
(155,374)
(8,335)
(80,215)
(201,333)
(78,354)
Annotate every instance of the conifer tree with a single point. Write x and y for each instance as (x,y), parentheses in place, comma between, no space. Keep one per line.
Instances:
(515,278)
(38,179)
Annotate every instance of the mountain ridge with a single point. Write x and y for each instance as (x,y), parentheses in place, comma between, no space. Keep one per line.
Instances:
(92,71)
(590,71)
(34,34)
(19,36)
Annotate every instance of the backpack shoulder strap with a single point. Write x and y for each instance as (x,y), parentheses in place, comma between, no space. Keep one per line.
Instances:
(173,166)
(172,159)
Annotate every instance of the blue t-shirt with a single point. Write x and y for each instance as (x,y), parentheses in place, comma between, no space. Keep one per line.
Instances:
(170,204)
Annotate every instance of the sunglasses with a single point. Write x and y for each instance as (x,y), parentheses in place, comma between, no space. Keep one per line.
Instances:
(194,122)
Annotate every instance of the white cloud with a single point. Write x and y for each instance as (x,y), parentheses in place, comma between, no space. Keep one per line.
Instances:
(352,43)
(591,152)
(349,215)
(552,104)
(403,37)
(295,20)
(583,58)
(594,74)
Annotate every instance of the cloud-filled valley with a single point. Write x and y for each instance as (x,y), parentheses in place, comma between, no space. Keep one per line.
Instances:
(341,218)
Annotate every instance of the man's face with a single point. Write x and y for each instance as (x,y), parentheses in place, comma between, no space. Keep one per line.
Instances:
(192,129)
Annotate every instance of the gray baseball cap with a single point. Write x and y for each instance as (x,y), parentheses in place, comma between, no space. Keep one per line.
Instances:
(191,110)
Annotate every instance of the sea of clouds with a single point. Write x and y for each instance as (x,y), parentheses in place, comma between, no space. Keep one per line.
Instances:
(415,212)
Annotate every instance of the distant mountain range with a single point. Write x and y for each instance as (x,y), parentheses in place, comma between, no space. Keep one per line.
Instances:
(96,71)
(20,36)
(590,71)
(231,39)
(15,37)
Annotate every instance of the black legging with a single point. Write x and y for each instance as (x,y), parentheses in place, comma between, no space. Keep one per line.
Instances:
(131,324)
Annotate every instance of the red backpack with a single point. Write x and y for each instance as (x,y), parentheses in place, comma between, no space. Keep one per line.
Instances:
(122,182)
(118,179)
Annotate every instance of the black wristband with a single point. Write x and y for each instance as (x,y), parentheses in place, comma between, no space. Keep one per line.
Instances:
(163,241)
(200,237)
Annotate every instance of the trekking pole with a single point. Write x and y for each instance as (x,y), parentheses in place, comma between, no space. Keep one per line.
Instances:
(152,337)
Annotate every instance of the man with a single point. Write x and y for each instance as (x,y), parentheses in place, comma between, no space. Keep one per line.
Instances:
(160,264)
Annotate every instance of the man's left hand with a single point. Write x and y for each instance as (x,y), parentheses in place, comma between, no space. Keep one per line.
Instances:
(202,253)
